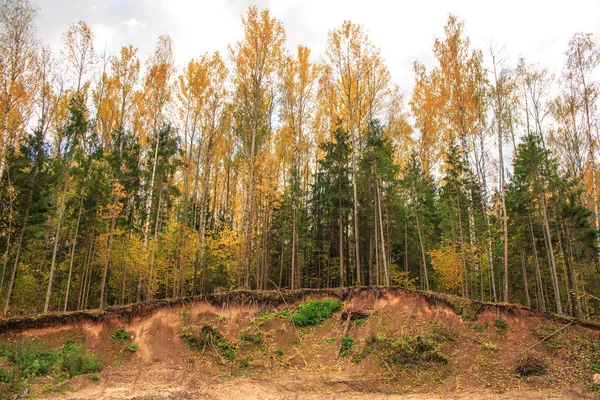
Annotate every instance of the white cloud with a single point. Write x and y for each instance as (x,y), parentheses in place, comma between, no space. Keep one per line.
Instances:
(132,25)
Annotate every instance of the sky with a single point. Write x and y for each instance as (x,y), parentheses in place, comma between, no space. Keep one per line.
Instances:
(405,31)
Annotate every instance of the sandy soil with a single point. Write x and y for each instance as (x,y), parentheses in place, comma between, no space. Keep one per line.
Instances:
(308,367)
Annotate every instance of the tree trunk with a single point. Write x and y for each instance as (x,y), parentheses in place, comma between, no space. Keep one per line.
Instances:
(341,227)
(56,240)
(72,257)
(150,294)
(553,272)
(104,289)
(525,281)
(385,266)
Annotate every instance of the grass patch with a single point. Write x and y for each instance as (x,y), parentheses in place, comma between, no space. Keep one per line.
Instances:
(77,360)
(120,334)
(329,340)
(487,346)
(314,312)
(31,358)
(279,352)
(347,345)
(94,378)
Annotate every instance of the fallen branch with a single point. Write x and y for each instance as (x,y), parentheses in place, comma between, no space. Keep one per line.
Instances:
(540,341)
(344,332)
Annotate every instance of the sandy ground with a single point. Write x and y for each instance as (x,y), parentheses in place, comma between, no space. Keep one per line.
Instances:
(162,381)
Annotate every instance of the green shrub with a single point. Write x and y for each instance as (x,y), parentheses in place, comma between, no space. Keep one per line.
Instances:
(279,352)
(32,357)
(120,334)
(330,340)
(347,345)
(315,312)
(245,362)
(94,378)
(6,376)
(77,360)
(208,336)
(248,336)
(501,324)
(442,333)
(479,328)
(132,347)
(410,350)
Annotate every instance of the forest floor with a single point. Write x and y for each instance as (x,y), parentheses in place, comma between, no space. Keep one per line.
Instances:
(402,345)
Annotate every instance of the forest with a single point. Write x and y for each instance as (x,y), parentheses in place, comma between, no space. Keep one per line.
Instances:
(125,180)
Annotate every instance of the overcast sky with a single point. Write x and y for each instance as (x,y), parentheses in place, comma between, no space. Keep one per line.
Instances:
(536,30)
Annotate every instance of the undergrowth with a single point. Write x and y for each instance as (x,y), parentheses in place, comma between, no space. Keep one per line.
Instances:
(347,345)
(314,312)
(119,334)
(32,357)
(208,337)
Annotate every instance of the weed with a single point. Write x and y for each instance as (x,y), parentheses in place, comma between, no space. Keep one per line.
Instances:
(30,358)
(245,362)
(479,328)
(442,333)
(248,336)
(315,312)
(556,341)
(408,350)
(132,347)
(6,376)
(363,353)
(221,318)
(501,324)
(94,378)
(489,346)
(330,340)
(208,336)
(279,352)
(77,360)
(347,345)
(116,363)
(119,334)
